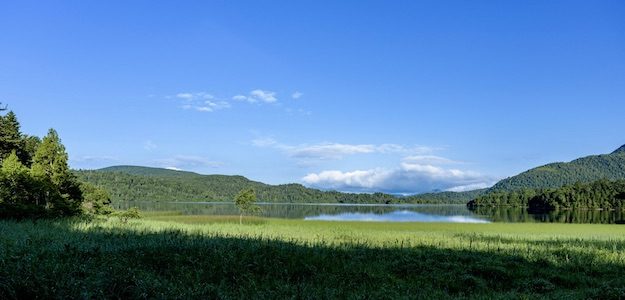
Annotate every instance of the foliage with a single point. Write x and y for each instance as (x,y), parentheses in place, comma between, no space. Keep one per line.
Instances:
(130,183)
(586,169)
(445,197)
(11,138)
(245,201)
(20,192)
(131,213)
(601,194)
(310,260)
(95,200)
(35,179)
(31,143)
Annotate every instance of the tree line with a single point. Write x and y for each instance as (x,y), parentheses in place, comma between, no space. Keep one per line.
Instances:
(149,184)
(35,178)
(132,183)
(600,194)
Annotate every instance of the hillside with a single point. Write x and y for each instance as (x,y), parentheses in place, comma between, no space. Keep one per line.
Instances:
(586,169)
(132,183)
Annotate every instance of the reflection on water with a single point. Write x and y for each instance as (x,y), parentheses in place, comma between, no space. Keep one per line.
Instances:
(396,216)
(517,214)
(387,213)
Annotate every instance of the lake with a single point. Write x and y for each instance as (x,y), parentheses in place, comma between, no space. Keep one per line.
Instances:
(386,213)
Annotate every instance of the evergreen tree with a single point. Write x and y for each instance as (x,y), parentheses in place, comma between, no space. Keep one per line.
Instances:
(31,143)
(50,166)
(10,137)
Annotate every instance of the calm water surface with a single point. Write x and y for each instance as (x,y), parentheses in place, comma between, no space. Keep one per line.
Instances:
(387,213)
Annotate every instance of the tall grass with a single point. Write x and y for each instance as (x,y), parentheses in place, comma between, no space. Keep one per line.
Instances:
(206,257)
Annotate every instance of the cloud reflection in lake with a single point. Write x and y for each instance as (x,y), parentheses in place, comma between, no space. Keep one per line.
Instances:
(395,216)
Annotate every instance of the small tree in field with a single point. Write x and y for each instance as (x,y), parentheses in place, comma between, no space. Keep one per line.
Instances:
(246,203)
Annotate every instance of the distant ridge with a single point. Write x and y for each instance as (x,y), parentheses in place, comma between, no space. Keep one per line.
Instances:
(148,171)
(586,169)
(136,183)
(619,150)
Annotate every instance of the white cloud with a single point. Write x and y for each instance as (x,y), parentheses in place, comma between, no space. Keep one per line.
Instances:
(217,104)
(205,102)
(209,106)
(194,96)
(186,96)
(185,162)
(265,96)
(328,151)
(264,142)
(202,102)
(415,174)
(296,95)
(470,187)
(333,151)
(367,179)
(429,159)
(409,178)
(257,96)
(204,108)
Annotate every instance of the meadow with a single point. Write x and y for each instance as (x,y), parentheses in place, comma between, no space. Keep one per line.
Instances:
(167,255)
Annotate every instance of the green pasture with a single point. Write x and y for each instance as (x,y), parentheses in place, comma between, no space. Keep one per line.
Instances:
(168,255)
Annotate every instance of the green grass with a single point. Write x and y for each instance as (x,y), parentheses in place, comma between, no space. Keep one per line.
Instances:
(176,256)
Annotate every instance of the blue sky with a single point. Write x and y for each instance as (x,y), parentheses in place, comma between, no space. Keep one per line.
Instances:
(394,96)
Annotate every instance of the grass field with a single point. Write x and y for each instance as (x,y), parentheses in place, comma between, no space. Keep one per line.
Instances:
(169,255)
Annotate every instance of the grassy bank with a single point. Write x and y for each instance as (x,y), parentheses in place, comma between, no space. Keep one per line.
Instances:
(175,256)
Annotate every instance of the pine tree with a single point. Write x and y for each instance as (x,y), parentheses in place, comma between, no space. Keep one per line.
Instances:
(50,165)
(10,137)
(31,143)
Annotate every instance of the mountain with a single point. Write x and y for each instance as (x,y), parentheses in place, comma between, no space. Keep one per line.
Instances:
(133,183)
(586,169)
(619,150)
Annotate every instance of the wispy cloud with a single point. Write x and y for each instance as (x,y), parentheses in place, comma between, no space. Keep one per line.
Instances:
(194,96)
(149,145)
(410,177)
(333,151)
(201,101)
(257,96)
(429,159)
(187,162)
(206,102)
(209,106)
(296,95)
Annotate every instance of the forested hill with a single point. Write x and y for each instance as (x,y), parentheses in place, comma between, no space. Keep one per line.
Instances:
(587,169)
(132,183)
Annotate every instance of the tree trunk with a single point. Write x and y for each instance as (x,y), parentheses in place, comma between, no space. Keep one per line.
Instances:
(241,219)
